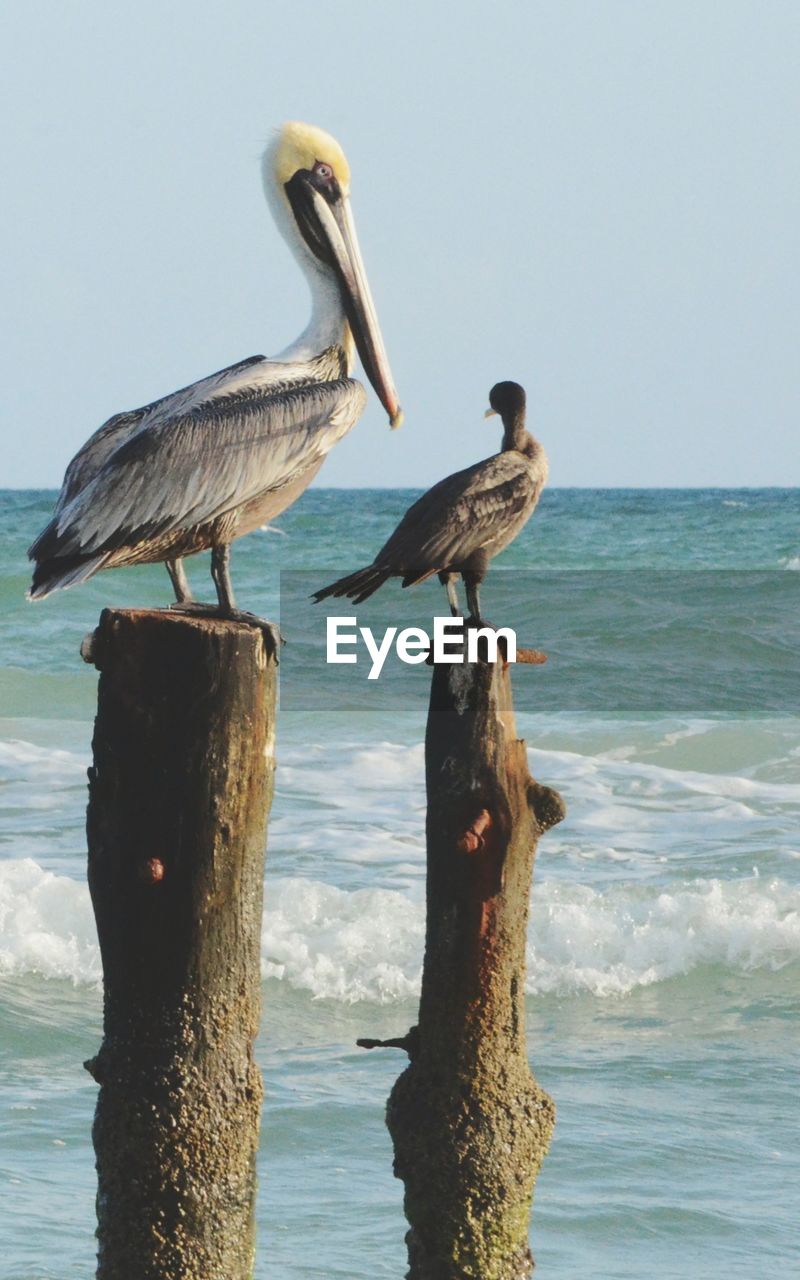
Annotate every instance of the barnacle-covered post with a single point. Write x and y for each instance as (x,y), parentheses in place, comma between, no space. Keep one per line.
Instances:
(469,1123)
(179,795)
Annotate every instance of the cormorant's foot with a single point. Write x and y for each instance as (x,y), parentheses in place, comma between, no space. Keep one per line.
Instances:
(199,608)
(474,621)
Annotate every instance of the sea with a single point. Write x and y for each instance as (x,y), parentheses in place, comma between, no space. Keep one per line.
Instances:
(663,983)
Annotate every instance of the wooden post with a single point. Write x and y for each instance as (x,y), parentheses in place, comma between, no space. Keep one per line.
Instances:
(178,801)
(469,1123)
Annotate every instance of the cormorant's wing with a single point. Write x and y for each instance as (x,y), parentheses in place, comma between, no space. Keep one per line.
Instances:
(93,455)
(459,515)
(179,472)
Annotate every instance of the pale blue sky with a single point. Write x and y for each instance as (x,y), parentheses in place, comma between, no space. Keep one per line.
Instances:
(598,199)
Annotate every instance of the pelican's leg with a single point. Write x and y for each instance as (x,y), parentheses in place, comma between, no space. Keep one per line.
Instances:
(226,603)
(448,581)
(221,573)
(180,583)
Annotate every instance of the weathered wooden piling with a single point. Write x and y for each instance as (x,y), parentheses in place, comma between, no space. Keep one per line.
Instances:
(469,1123)
(178,801)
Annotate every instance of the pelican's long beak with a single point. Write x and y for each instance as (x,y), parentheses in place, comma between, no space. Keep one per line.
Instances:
(329,230)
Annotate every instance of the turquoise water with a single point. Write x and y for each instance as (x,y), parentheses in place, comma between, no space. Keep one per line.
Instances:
(664,949)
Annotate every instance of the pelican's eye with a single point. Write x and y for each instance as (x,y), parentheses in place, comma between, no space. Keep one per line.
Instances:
(324,180)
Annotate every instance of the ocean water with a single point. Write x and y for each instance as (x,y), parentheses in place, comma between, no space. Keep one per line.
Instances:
(664,948)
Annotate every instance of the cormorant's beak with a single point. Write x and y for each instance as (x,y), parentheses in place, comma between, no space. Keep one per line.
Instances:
(328,228)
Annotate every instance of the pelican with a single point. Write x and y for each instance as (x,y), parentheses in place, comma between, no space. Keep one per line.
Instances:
(211,462)
(463,521)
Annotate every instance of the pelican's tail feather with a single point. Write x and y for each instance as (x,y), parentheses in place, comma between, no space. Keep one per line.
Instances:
(66,571)
(357,586)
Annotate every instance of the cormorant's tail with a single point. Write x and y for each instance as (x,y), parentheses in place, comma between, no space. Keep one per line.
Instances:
(357,586)
(66,571)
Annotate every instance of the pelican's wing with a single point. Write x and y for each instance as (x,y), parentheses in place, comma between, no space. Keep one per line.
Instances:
(90,459)
(181,472)
(458,516)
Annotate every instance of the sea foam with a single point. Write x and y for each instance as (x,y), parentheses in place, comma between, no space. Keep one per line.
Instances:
(46,924)
(367,944)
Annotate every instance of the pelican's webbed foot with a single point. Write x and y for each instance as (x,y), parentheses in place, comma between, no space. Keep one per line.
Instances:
(270,630)
(226,604)
(199,608)
(202,607)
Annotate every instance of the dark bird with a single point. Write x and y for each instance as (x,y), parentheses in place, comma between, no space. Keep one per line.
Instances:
(463,521)
(209,463)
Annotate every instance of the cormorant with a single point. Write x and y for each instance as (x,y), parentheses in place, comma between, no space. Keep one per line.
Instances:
(464,520)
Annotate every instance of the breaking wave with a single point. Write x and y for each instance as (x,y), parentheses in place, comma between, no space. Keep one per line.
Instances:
(366,944)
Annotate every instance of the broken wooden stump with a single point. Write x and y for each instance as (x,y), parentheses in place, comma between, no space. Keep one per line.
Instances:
(469,1123)
(178,801)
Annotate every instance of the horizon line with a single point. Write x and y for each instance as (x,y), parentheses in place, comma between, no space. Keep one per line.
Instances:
(554,488)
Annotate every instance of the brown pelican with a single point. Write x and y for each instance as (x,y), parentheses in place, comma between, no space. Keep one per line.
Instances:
(464,520)
(223,456)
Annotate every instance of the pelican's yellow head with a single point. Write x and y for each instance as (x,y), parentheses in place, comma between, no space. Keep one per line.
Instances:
(301,147)
(307,180)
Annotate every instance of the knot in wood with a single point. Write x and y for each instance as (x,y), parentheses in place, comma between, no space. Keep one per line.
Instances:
(547,805)
(472,841)
(151,871)
(89,649)
(531,657)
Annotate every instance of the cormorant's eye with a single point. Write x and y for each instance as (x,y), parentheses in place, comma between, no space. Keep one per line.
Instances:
(323,171)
